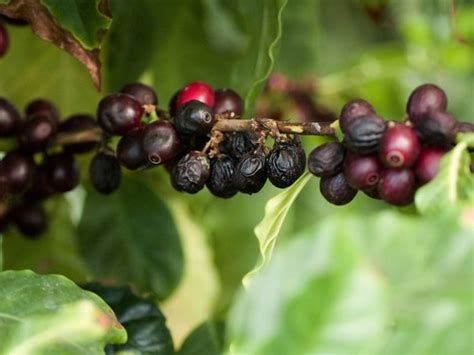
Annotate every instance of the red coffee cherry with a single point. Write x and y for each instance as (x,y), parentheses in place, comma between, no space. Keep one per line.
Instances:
(397,187)
(197,90)
(362,172)
(399,147)
(428,163)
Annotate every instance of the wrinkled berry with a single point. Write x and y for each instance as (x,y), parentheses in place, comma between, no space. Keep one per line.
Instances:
(119,113)
(191,172)
(397,187)
(30,219)
(326,160)
(78,123)
(426,98)
(363,134)
(437,128)
(428,164)
(18,170)
(105,173)
(194,118)
(160,142)
(336,190)
(399,147)
(221,178)
(36,133)
(250,173)
(144,94)
(354,109)
(130,151)
(362,172)
(62,172)
(227,100)
(285,163)
(237,144)
(196,90)
(9,118)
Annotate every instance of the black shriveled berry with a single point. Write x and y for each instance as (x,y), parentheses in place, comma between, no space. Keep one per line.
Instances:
(250,172)
(362,172)
(42,107)
(18,170)
(36,133)
(237,144)
(144,94)
(227,100)
(465,127)
(78,123)
(160,142)
(397,187)
(426,98)
(428,163)
(326,160)
(130,151)
(354,109)
(9,118)
(41,188)
(30,219)
(119,113)
(191,172)
(437,128)
(194,117)
(105,173)
(62,172)
(399,147)
(4,40)
(221,178)
(336,190)
(285,163)
(363,134)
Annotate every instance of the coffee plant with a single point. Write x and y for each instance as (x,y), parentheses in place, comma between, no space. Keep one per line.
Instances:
(145,144)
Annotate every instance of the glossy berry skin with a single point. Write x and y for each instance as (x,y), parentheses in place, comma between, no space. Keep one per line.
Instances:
(250,173)
(62,172)
(426,98)
(237,144)
(221,178)
(130,151)
(326,160)
(227,100)
(40,189)
(196,90)
(119,113)
(399,147)
(285,164)
(362,172)
(144,94)
(428,164)
(42,107)
(397,186)
(37,133)
(105,173)
(4,40)
(336,190)
(30,219)
(354,109)
(9,118)
(18,170)
(191,172)
(437,128)
(77,123)
(194,118)
(160,142)
(363,134)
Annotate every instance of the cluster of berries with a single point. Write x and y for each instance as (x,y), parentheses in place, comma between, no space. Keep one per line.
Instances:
(385,159)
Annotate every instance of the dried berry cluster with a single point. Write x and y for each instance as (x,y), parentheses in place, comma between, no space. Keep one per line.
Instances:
(386,160)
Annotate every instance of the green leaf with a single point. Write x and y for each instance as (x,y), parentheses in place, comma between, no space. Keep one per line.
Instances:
(130,237)
(1,252)
(267,230)
(50,314)
(207,339)
(141,318)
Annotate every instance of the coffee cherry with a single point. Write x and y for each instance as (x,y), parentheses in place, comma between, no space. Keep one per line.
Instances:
(9,118)
(399,147)
(326,160)
(250,173)
(130,151)
(173,104)
(30,219)
(237,144)
(160,142)
(196,90)
(336,190)
(363,134)
(4,40)
(40,188)
(285,163)
(465,127)
(397,187)
(37,133)
(62,172)
(373,193)
(191,172)
(227,100)
(105,173)
(437,128)
(426,98)
(194,118)
(354,109)
(428,164)
(119,113)
(18,170)
(362,172)
(78,123)
(144,94)
(41,107)
(221,178)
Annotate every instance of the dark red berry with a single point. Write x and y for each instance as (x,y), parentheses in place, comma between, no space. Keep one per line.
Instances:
(250,173)
(425,98)
(326,160)
(397,187)
(9,118)
(285,163)
(354,109)
(160,142)
(4,40)
(336,190)
(144,94)
(437,128)
(42,107)
(173,104)
(18,170)
(37,133)
(105,173)
(196,90)
(194,118)
(221,178)
(119,113)
(428,164)
(30,219)
(130,151)
(362,172)
(227,100)
(237,144)
(465,127)
(191,172)
(373,193)
(62,172)
(399,147)
(78,123)
(363,134)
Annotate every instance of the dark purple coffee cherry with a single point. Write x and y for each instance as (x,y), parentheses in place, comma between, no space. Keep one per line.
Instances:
(78,123)
(130,151)
(173,104)
(160,142)
(363,134)
(399,147)
(30,219)
(144,94)
(227,100)
(237,144)
(9,118)
(62,172)
(119,113)
(424,99)
(437,128)
(428,164)
(37,133)
(285,163)
(40,188)
(336,190)
(250,172)
(397,187)
(362,172)
(105,173)
(373,193)
(465,127)
(221,178)
(194,118)
(4,40)
(326,160)
(354,109)
(191,172)
(42,107)
(17,170)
